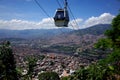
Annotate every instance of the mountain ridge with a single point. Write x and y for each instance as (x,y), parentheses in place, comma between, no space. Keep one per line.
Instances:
(45,33)
(93,30)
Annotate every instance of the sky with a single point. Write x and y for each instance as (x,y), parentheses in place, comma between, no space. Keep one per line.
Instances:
(26,14)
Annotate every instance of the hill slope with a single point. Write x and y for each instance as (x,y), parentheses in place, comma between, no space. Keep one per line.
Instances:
(93,30)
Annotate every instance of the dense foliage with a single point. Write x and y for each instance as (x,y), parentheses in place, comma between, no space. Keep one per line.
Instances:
(49,76)
(104,44)
(114,33)
(7,63)
(31,64)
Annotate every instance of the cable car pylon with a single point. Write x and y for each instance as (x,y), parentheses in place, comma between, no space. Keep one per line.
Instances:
(61,18)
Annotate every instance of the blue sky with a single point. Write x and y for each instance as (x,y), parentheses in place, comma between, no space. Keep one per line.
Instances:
(25,14)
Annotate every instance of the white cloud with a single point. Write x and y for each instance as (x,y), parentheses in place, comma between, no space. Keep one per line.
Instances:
(14,24)
(105,18)
(48,23)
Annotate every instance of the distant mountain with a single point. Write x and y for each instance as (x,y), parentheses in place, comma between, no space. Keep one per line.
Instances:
(32,33)
(93,30)
(90,34)
(46,33)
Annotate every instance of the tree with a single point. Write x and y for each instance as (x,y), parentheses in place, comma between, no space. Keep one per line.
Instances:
(7,63)
(49,76)
(103,44)
(114,33)
(31,64)
(112,62)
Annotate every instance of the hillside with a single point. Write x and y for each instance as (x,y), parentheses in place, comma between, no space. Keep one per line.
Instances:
(93,30)
(82,34)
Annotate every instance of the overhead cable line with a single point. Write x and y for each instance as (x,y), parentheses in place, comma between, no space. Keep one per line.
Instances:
(61,7)
(73,17)
(45,12)
(59,4)
(48,14)
(69,23)
(75,22)
(42,8)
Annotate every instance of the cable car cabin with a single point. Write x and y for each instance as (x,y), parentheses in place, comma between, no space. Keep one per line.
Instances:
(61,18)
